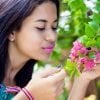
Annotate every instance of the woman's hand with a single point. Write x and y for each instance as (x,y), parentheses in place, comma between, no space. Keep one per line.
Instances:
(81,83)
(92,74)
(47,84)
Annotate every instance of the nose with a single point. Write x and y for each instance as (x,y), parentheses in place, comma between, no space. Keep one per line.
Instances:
(51,35)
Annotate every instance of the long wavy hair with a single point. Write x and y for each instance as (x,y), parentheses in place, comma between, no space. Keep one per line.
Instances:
(12,14)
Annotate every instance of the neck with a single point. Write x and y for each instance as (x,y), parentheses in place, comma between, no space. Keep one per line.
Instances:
(16,58)
(14,64)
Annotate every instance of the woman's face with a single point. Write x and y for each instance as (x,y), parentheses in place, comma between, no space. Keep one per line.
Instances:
(36,39)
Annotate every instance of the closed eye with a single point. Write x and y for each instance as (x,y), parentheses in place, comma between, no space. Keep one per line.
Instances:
(40,29)
(54,28)
(43,29)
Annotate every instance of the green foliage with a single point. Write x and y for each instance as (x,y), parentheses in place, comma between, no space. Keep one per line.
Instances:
(96,18)
(76,5)
(98,41)
(90,31)
(91,55)
(84,24)
(86,27)
(71,68)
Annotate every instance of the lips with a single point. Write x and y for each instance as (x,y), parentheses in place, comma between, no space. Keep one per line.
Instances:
(48,49)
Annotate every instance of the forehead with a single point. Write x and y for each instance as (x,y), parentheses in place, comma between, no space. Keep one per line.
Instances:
(46,10)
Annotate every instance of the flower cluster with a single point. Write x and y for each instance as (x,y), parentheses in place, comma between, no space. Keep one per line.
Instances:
(81,58)
(77,50)
(81,55)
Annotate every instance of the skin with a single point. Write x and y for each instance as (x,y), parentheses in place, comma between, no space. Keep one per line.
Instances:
(28,42)
(37,31)
(85,78)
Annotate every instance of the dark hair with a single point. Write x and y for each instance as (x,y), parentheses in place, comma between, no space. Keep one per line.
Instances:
(12,14)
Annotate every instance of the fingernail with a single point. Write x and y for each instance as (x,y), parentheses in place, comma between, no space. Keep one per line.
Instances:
(59,66)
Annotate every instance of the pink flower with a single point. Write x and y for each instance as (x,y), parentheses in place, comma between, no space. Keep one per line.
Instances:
(73,54)
(77,45)
(82,56)
(77,50)
(83,50)
(82,60)
(88,63)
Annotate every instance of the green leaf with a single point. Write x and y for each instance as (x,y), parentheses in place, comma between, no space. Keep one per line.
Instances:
(91,54)
(94,25)
(89,31)
(90,43)
(98,42)
(84,39)
(97,8)
(74,5)
(71,68)
(96,18)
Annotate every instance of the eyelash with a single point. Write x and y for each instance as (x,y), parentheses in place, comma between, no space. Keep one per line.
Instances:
(55,29)
(43,29)
(40,29)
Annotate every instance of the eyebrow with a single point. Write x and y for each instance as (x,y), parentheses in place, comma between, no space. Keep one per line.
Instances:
(45,21)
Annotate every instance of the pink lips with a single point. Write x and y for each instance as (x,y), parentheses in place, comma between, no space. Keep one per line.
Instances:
(48,49)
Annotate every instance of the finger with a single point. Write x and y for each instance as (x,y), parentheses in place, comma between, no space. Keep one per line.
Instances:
(92,74)
(60,85)
(47,72)
(60,90)
(58,76)
(97,61)
(97,67)
(97,57)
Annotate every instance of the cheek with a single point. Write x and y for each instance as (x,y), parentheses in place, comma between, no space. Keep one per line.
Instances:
(29,43)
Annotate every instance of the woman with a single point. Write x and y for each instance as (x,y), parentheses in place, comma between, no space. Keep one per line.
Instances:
(28,34)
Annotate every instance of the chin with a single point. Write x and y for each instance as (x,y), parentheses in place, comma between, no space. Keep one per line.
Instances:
(44,58)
